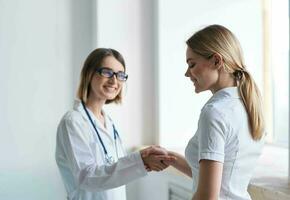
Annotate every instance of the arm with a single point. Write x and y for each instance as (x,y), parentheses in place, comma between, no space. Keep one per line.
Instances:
(176,160)
(180,163)
(210,177)
(213,130)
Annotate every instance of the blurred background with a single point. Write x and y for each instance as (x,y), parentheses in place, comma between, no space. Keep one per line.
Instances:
(43,44)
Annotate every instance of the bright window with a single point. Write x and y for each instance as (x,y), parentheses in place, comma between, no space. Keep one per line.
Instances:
(279,63)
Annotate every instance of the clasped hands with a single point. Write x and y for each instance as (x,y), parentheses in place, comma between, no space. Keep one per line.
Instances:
(156,158)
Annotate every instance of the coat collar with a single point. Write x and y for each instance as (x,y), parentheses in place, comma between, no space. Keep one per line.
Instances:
(79,108)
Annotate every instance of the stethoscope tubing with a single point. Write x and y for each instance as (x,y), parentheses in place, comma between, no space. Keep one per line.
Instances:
(116,136)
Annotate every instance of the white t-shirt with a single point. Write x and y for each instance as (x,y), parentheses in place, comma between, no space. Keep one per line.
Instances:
(81,161)
(223,135)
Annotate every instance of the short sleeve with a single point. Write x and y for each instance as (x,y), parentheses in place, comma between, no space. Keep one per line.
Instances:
(212,132)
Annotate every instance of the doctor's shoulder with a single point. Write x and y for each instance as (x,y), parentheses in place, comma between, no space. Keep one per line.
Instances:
(72,119)
(71,115)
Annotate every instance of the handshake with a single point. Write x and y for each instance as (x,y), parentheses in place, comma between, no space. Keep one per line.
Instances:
(156,158)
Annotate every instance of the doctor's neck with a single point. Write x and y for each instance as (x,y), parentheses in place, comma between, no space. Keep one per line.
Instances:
(95,105)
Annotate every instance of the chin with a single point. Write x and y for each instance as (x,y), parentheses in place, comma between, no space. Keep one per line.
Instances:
(198,90)
(110,97)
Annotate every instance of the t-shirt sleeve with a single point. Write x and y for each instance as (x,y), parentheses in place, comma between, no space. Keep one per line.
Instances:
(212,135)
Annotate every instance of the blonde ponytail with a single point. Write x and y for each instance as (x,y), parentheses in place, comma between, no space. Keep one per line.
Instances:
(251,97)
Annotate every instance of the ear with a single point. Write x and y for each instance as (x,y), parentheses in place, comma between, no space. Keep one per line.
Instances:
(218,60)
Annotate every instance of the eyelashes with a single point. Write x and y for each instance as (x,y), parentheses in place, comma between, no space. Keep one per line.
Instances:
(191,66)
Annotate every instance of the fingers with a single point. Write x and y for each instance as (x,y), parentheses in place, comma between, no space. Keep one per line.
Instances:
(148,169)
(158,150)
(165,158)
(167,163)
(153,150)
(164,164)
(145,152)
(158,166)
(155,164)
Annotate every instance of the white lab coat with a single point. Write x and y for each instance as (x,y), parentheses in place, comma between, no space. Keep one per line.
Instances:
(81,160)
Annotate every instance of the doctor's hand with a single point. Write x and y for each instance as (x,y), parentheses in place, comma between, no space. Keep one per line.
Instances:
(151,158)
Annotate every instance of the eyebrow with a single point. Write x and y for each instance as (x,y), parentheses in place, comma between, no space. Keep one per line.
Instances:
(112,69)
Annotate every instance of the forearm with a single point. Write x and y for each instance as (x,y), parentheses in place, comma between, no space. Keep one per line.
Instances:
(181,164)
(198,196)
(103,177)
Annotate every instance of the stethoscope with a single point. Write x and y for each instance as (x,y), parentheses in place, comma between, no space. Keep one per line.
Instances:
(109,159)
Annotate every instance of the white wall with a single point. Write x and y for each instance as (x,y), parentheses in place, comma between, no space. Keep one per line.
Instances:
(42,45)
(127,26)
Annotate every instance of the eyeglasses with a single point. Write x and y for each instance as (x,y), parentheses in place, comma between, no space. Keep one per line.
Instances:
(109,73)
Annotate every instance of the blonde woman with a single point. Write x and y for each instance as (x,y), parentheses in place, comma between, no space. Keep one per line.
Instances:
(89,150)
(221,156)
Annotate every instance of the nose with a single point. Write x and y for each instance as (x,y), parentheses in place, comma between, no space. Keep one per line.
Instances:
(113,79)
(187,73)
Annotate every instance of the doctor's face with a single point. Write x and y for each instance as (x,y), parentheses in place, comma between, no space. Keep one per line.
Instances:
(201,71)
(104,87)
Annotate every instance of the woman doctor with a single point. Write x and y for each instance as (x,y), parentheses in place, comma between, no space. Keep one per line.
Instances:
(221,156)
(89,151)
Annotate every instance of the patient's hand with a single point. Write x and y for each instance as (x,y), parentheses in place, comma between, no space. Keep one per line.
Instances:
(153,161)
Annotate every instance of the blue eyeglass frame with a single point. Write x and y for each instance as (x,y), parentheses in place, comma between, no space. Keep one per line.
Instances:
(117,74)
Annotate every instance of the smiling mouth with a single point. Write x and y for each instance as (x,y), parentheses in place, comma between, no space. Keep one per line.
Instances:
(110,88)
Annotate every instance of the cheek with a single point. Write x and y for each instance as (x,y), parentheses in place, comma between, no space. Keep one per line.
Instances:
(196,72)
(211,77)
(120,86)
(95,81)
(96,84)
(193,72)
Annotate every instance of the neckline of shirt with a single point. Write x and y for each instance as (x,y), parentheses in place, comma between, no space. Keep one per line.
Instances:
(228,92)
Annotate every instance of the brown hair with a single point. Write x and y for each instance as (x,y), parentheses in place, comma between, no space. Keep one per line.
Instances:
(218,39)
(92,63)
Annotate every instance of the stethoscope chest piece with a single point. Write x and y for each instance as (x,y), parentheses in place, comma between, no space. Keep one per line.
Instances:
(109,159)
